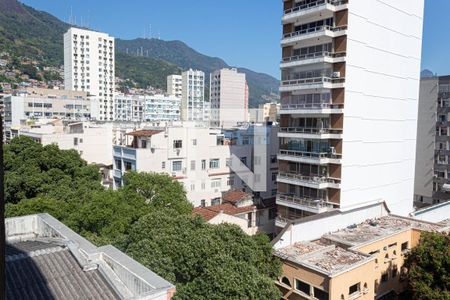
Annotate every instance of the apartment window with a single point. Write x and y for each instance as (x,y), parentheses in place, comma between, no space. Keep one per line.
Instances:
(128,165)
(203,164)
(192,186)
(216,183)
(274,192)
(215,201)
(274,176)
(176,166)
(214,163)
(192,165)
(404,247)
(143,144)
(163,165)
(273,159)
(249,220)
(354,289)
(320,294)
(203,185)
(286,281)
(75,141)
(118,164)
(302,286)
(230,181)
(194,142)
(177,144)
(203,203)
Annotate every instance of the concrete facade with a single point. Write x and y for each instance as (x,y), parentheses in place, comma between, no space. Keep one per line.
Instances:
(175,85)
(193,96)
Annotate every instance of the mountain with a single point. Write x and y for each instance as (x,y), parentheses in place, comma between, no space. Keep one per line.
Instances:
(182,55)
(26,32)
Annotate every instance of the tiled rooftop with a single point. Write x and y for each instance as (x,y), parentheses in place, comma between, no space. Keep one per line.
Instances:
(211,211)
(374,229)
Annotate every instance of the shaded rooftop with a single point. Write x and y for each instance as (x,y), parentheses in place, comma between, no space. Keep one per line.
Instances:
(144,133)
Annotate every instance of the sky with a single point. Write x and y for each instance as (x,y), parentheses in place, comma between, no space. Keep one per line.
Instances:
(245,33)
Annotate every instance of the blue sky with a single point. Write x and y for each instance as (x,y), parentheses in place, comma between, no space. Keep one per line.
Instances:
(244,33)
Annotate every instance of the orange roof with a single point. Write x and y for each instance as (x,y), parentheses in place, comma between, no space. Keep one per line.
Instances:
(144,133)
(227,208)
(234,196)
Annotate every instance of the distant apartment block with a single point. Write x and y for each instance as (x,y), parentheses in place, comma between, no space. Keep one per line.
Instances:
(129,108)
(228,97)
(37,103)
(349,100)
(193,96)
(89,65)
(267,112)
(175,85)
(432,176)
(198,157)
(147,108)
(353,255)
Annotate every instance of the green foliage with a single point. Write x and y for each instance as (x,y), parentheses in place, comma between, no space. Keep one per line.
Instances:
(160,191)
(205,261)
(33,170)
(429,267)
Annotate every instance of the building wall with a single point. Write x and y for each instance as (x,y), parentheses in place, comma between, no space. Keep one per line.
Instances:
(175,85)
(426,134)
(381,102)
(99,64)
(193,96)
(161,108)
(228,94)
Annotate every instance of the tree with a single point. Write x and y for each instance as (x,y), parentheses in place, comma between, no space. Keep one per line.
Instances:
(429,267)
(205,261)
(160,191)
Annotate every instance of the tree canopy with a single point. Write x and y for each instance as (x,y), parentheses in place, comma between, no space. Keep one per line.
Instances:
(149,218)
(429,267)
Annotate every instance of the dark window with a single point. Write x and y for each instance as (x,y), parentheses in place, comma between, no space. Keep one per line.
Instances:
(215,201)
(286,281)
(203,203)
(75,141)
(302,286)
(143,144)
(128,165)
(177,144)
(354,289)
(118,164)
(319,294)
(384,277)
(272,213)
(404,246)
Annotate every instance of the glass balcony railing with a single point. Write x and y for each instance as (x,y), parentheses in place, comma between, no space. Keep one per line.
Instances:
(305,106)
(316,55)
(303,201)
(313,80)
(313,5)
(311,155)
(310,130)
(314,30)
(308,179)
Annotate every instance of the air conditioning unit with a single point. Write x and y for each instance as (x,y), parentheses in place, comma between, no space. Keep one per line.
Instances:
(336,75)
(152,150)
(174,174)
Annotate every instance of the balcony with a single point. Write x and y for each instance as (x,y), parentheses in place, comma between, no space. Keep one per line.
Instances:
(314,182)
(316,206)
(321,158)
(319,7)
(313,58)
(311,108)
(323,82)
(310,133)
(313,34)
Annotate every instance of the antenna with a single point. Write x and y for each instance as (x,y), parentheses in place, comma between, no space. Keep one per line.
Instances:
(71,16)
(150,30)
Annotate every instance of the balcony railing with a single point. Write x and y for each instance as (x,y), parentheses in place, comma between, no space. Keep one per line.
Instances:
(309,179)
(318,3)
(313,155)
(313,56)
(313,80)
(307,202)
(311,106)
(310,130)
(314,30)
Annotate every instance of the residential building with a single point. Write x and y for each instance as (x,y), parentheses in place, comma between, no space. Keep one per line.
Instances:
(161,108)
(193,96)
(362,260)
(200,158)
(228,97)
(175,85)
(129,108)
(239,208)
(89,65)
(47,260)
(267,112)
(349,101)
(36,103)
(432,177)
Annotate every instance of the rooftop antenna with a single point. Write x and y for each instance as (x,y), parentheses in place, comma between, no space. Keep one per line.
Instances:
(71,16)
(150,27)
(159,35)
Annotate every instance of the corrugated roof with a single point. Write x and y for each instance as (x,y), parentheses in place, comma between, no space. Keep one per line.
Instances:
(40,270)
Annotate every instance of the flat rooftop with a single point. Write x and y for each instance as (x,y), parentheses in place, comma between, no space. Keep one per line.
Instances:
(326,259)
(374,229)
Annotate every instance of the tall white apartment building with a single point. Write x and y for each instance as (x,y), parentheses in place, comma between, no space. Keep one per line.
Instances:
(193,98)
(197,156)
(129,107)
(161,108)
(175,85)
(89,66)
(228,97)
(349,101)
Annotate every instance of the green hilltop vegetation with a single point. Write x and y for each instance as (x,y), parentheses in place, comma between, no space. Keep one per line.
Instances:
(38,36)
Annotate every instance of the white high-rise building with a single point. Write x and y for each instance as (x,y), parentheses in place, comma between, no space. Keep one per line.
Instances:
(89,66)
(193,98)
(229,98)
(349,102)
(175,85)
